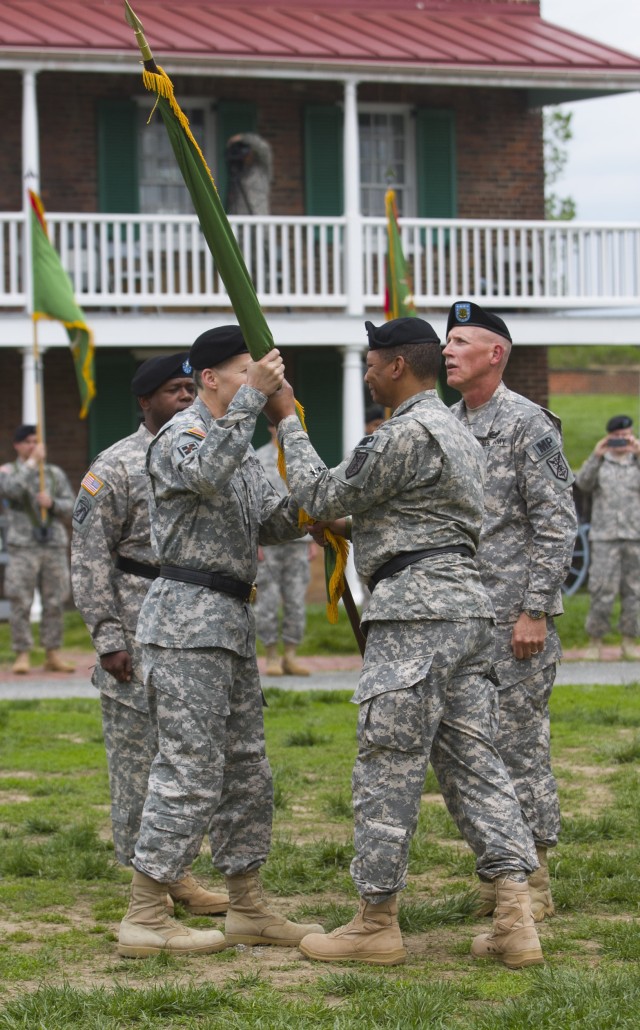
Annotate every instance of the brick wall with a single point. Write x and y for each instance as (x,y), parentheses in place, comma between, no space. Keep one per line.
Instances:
(498,139)
(527,373)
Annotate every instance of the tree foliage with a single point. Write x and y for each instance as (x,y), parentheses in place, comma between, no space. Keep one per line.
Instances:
(557,134)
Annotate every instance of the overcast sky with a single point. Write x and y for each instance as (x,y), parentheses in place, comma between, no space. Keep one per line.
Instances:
(603,171)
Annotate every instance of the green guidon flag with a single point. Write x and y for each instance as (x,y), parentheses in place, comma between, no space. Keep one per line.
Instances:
(53,298)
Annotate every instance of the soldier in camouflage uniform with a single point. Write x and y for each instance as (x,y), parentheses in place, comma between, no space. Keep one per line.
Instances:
(37,548)
(112,566)
(414,488)
(283,578)
(525,552)
(611,474)
(210,508)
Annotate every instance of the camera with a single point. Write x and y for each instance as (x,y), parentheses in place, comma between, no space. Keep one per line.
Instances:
(617,441)
(236,154)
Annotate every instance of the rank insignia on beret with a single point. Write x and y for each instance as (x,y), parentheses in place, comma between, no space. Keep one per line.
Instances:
(196,431)
(92,484)
(463,312)
(558,466)
(356,464)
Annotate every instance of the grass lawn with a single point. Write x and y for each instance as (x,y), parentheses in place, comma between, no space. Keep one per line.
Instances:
(584,417)
(62,895)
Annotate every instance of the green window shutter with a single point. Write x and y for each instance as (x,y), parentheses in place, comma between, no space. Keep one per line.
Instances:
(118,157)
(435,140)
(233,116)
(318,384)
(323,160)
(114,410)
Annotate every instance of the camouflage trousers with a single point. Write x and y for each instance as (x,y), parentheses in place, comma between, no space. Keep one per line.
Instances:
(206,706)
(424,694)
(614,570)
(523,739)
(283,578)
(47,569)
(131,747)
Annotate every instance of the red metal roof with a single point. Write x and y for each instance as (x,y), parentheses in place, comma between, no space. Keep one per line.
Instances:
(389,33)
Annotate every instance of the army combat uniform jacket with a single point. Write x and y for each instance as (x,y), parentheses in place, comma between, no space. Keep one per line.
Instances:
(398,485)
(111,518)
(211,505)
(19,484)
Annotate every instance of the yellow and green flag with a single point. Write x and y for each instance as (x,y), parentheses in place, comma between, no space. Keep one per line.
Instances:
(398,301)
(53,298)
(230,264)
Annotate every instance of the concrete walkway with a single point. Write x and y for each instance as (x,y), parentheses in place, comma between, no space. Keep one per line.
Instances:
(327,673)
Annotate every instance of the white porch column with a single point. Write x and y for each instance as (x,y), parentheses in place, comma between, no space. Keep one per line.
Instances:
(30,181)
(355,305)
(30,168)
(352,428)
(29,373)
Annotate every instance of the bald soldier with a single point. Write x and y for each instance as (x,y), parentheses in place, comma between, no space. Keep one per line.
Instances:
(414,488)
(112,567)
(210,507)
(525,553)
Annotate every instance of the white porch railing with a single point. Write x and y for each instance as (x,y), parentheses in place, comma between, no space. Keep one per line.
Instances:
(140,261)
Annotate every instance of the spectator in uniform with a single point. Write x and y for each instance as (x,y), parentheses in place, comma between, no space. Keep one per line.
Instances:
(38,508)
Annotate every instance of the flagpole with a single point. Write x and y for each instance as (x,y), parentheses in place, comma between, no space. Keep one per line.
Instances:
(37,365)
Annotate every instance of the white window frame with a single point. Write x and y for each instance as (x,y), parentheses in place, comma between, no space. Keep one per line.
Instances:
(207,145)
(407,111)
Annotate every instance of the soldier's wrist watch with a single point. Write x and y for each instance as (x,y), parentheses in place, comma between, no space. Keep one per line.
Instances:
(534,613)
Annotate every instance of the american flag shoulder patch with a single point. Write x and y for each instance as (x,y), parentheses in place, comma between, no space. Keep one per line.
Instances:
(196,431)
(92,484)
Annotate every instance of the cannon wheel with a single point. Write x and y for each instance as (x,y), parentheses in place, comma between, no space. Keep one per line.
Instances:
(579,563)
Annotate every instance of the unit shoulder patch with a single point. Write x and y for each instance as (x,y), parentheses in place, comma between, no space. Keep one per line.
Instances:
(559,467)
(356,464)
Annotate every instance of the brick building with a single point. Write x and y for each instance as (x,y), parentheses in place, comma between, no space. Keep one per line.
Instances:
(443,96)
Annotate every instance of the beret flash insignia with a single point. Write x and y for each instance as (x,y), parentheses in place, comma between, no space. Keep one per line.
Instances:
(463,312)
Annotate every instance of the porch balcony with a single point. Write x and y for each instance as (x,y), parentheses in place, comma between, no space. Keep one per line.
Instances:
(133,263)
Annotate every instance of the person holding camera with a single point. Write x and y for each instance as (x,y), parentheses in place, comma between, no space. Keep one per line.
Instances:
(611,474)
(37,544)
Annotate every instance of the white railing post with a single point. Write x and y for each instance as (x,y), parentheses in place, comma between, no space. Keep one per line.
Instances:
(353,234)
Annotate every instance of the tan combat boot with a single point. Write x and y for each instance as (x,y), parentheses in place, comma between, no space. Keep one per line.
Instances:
(250,921)
(630,649)
(274,662)
(486,898)
(56,663)
(289,663)
(372,936)
(513,938)
(540,888)
(193,896)
(593,652)
(148,929)
(21,665)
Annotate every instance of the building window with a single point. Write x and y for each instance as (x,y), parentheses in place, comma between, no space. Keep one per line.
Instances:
(387,157)
(162,188)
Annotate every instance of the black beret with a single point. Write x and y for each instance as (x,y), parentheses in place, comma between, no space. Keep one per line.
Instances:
(22,432)
(216,345)
(156,371)
(464,312)
(619,422)
(400,331)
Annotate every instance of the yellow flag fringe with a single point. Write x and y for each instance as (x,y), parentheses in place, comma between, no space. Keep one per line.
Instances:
(336,585)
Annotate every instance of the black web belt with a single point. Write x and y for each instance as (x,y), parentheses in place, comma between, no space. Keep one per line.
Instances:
(137,568)
(213,580)
(401,561)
